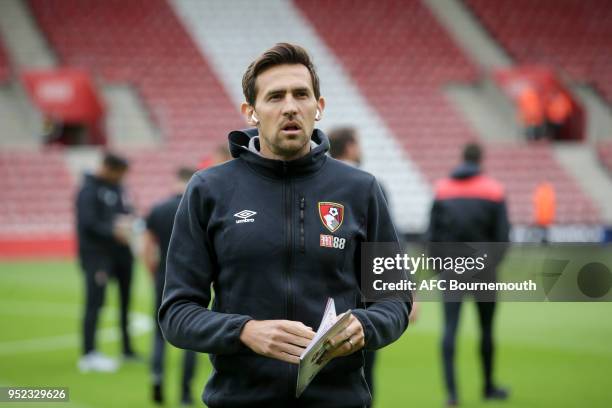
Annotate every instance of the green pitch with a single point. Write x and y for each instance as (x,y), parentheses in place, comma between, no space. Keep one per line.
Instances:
(550,355)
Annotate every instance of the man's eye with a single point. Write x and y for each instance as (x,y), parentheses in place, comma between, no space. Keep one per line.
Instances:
(302,94)
(274,98)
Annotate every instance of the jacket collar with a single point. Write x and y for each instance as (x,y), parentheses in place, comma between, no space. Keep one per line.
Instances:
(311,163)
(466,170)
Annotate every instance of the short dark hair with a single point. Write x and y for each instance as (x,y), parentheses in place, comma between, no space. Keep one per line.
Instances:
(113,161)
(339,139)
(281,53)
(185,173)
(472,153)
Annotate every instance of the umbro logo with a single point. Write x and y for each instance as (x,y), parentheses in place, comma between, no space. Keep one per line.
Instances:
(245,216)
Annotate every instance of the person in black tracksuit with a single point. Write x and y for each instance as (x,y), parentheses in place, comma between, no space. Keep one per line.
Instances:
(103,227)
(469,207)
(159,224)
(261,232)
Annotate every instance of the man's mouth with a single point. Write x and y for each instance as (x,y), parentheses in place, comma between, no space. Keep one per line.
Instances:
(291,128)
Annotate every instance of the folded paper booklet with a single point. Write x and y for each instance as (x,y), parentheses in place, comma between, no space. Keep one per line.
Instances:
(311,361)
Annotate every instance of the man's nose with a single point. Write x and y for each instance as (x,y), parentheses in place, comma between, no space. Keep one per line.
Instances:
(290,106)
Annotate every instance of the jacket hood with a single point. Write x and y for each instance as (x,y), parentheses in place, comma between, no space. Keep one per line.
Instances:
(466,170)
(92,179)
(310,163)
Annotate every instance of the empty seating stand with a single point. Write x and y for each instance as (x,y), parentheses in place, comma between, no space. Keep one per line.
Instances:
(396,53)
(575,35)
(36,194)
(401,58)
(142,43)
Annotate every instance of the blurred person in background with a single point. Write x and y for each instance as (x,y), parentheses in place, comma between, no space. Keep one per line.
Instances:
(559,111)
(531,112)
(104,225)
(544,209)
(159,224)
(469,207)
(344,146)
(220,155)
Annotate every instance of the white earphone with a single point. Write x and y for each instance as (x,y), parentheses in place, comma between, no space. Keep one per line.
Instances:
(318,115)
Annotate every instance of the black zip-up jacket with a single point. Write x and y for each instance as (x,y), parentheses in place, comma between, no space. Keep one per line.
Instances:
(469,207)
(270,264)
(98,203)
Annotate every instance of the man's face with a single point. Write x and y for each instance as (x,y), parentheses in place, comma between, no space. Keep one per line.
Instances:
(114,176)
(286,109)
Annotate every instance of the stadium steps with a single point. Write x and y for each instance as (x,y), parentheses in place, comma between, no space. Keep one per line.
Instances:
(128,123)
(580,160)
(490,115)
(23,47)
(25,44)
(599,113)
(254,29)
(469,34)
(17,129)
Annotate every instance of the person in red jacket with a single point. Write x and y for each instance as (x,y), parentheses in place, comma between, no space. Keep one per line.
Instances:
(532,113)
(469,207)
(544,206)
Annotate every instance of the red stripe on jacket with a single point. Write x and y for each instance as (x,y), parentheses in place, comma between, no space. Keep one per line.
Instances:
(480,187)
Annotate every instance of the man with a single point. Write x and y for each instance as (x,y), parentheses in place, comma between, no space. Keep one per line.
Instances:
(253,229)
(103,229)
(344,145)
(155,247)
(469,207)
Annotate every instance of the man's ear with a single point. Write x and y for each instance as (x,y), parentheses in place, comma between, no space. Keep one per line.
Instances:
(320,107)
(248,112)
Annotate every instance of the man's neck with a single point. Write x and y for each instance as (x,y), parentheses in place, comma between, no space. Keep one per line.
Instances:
(266,152)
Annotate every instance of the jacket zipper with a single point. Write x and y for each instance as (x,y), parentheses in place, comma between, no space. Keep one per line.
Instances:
(289,243)
(302,238)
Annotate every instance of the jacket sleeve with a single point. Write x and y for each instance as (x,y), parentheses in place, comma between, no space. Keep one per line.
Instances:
(87,216)
(434,232)
(384,321)
(190,269)
(501,231)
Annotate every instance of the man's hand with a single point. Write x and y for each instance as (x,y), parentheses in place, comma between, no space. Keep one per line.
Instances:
(414,313)
(348,341)
(283,340)
(122,229)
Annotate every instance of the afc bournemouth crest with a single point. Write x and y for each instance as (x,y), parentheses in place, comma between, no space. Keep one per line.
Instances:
(331,214)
